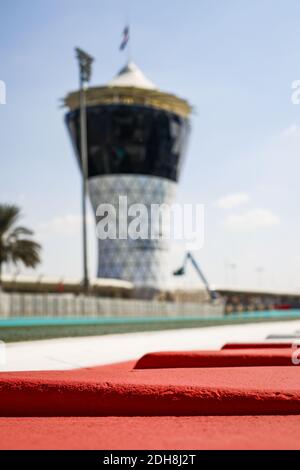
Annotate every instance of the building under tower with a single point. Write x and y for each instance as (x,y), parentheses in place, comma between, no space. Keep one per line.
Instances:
(137,137)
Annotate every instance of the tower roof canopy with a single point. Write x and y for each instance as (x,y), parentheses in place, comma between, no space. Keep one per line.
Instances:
(131,76)
(130,87)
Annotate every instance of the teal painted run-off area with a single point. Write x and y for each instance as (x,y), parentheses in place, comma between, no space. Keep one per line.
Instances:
(64,321)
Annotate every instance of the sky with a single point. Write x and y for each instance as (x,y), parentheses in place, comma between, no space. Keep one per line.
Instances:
(234,60)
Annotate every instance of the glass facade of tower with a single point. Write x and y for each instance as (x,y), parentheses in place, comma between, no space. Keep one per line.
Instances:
(130,139)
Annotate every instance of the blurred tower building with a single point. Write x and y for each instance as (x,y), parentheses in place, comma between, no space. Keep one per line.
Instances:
(137,136)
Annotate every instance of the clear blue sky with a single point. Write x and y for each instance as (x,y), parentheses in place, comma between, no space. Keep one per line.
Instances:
(234,60)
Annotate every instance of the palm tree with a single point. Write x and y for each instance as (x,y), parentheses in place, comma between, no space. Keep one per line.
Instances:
(15,246)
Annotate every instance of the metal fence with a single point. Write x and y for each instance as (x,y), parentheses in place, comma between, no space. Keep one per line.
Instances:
(53,305)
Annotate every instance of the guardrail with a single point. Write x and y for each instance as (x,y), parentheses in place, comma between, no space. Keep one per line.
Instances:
(52,305)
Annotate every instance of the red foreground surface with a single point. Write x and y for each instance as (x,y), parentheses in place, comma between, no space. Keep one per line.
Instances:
(225,358)
(236,398)
(150,433)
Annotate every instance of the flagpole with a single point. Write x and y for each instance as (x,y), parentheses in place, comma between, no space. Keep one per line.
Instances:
(129,43)
(129,48)
(129,28)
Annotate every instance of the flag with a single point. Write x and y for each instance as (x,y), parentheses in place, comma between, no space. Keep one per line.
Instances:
(125,38)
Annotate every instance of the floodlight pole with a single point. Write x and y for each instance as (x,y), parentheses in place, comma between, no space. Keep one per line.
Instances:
(85,62)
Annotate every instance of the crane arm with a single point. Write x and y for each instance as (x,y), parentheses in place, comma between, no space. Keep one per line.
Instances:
(211,293)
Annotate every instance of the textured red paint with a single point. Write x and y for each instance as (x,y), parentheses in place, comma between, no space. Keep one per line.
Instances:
(121,391)
(122,406)
(150,433)
(224,358)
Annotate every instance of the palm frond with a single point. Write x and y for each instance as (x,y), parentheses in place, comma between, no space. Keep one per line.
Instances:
(17,232)
(25,251)
(15,246)
(9,215)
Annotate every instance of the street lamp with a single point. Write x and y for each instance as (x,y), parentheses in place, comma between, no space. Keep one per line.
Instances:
(85,71)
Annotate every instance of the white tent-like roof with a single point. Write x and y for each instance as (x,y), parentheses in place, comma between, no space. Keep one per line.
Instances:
(131,76)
